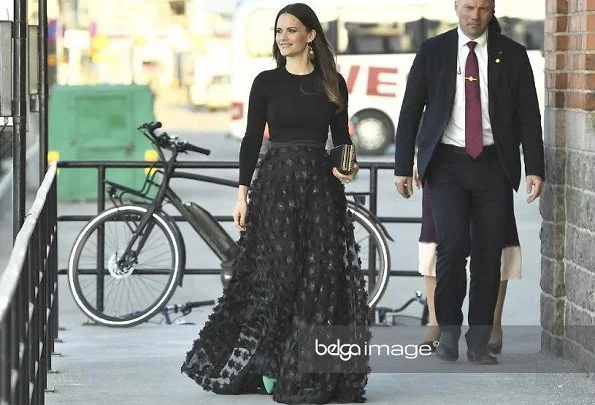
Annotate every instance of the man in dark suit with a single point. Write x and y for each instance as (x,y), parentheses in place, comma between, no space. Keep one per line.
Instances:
(480,102)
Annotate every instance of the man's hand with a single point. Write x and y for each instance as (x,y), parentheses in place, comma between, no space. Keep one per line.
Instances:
(534,187)
(416,176)
(404,185)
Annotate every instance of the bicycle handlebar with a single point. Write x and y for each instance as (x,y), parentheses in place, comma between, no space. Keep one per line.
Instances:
(194,148)
(152,126)
(186,308)
(196,304)
(164,140)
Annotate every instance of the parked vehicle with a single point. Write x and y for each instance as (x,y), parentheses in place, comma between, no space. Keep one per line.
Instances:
(376,42)
(218,93)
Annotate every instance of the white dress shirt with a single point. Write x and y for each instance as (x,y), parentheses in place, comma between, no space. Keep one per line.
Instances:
(454,133)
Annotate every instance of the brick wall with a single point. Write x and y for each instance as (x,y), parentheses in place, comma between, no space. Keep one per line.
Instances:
(568,202)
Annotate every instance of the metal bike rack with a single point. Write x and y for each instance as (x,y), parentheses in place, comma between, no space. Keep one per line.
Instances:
(102,166)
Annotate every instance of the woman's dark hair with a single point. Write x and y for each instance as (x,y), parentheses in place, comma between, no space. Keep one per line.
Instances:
(325,68)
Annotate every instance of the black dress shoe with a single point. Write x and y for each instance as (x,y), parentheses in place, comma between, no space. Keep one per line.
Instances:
(481,358)
(448,346)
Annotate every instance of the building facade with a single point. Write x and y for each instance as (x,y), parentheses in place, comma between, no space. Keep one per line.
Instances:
(568,202)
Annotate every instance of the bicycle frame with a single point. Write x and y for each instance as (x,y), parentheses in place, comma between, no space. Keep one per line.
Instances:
(207,227)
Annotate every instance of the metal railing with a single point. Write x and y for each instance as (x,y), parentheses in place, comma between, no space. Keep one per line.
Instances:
(102,166)
(29,302)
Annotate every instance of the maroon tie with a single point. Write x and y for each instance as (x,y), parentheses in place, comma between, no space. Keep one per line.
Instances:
(473,129)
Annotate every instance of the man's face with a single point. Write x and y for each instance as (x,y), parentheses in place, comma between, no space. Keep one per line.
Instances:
(474,16)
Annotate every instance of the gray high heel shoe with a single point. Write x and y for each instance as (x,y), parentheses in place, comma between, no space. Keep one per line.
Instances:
(496,348)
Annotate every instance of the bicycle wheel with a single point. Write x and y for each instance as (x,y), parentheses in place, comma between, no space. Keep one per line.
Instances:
(371,241)
(124,294)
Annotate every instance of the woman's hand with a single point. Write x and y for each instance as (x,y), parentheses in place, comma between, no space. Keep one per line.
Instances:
(346,178)
(239,215)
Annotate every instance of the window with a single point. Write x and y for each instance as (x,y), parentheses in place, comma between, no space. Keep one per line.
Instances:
(391,29)
(374,38)
(221,79)
(437,27)
(526,32)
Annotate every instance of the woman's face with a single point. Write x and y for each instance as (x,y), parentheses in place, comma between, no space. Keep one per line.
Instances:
(292,36)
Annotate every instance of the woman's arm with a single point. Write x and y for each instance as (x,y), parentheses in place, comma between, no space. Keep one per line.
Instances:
(252,141)
(250,148)
(340,120)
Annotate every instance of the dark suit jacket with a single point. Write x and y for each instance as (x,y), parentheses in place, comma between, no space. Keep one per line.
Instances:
(513,106)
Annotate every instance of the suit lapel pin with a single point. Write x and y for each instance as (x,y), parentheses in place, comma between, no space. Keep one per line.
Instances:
(499,56)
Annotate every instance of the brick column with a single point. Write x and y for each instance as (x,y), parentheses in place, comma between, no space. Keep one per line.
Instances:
(568,202)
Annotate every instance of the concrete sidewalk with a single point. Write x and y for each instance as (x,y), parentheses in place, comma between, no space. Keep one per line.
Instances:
(141,366)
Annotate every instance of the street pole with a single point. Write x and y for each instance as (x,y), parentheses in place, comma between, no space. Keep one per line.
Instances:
(19,118)
(43,88)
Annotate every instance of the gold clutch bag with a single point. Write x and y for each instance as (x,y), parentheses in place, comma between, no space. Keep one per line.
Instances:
(343,157)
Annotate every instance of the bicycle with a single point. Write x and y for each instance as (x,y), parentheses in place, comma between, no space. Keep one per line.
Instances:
(143,226)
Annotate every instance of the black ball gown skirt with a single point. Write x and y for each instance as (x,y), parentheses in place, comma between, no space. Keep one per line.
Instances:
(297,273)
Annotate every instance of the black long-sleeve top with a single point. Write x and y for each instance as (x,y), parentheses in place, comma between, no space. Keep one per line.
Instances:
(295,108)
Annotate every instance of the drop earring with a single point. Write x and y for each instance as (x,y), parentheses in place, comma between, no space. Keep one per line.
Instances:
(311,55)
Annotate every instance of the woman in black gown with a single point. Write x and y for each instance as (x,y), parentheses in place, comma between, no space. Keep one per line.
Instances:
(297,271)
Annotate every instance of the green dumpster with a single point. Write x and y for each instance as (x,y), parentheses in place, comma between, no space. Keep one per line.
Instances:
(98,123)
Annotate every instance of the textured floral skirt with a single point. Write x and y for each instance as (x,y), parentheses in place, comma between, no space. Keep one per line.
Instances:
(297,274)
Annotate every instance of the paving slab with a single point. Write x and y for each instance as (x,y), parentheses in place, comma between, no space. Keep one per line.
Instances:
(97,365)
